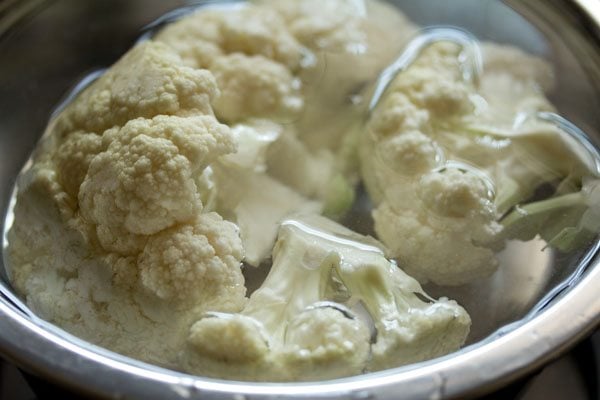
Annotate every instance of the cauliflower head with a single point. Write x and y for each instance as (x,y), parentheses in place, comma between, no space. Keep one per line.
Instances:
(117,173)
(448,149)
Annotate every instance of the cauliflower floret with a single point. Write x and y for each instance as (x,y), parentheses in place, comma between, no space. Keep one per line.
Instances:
(254,86)
(260,31)
(427,252)
(234,339)
(434,83)
(449,149)
(195,38)
(253,30)
(145,186)
(325,338)
(144,183)
(411,153)
(324,25)
(65,280)
(291,330)
(149,80)
(458,193)
(397,114)
(285,327)
(73,159)
(442,233)
(113,197)
(187,261)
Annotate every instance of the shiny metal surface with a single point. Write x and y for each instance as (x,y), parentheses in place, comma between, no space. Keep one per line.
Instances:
(541,310)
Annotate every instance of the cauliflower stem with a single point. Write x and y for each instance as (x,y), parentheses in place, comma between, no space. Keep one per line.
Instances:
(566,222)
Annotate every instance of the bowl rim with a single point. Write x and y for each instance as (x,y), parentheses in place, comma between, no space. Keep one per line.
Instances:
(45,350)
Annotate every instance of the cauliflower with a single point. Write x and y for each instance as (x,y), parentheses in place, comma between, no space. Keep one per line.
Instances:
(112,206)
(187,262)
(288,61)
(144,182)
(327,130)
(254,87)
(448,151)
(158,180)
(106,298)
(221,140)
(291,327)
(252,55)
(444,238)
(224,139)
(254,30)
(147,81)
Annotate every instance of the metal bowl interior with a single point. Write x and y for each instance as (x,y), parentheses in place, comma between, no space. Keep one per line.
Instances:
(524,315)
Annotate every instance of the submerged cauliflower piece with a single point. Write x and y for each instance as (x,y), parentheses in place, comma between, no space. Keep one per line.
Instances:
(159,85)
(254,86)
(444,237)
(112,206)
(144,181)
(187,262)
(252,55)
(291,329)
(202,37)
(304,64)
(149,190)
(448,150)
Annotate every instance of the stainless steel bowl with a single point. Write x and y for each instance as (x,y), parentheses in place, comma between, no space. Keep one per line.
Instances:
(534,312)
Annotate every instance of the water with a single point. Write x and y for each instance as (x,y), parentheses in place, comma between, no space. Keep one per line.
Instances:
(511,293)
